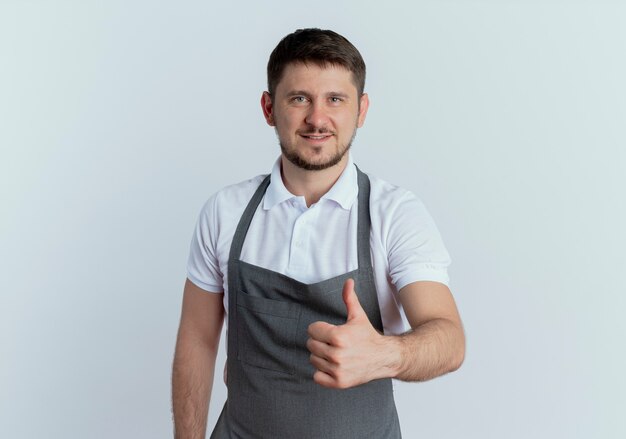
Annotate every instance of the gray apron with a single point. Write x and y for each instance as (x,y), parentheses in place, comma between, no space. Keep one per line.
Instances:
(271,392)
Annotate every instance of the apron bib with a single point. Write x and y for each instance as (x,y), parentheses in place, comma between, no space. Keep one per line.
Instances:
(271,392)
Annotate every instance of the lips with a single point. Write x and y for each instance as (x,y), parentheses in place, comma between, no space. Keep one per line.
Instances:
(317,136)
(314,137)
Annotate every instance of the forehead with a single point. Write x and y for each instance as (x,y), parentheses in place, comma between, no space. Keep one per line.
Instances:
(315,78)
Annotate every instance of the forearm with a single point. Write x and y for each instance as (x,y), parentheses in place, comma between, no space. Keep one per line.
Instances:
(432,349)
(192,382)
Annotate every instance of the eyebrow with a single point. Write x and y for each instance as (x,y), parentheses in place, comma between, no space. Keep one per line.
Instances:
(307,94)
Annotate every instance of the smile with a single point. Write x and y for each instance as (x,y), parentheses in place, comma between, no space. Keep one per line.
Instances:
(316,137)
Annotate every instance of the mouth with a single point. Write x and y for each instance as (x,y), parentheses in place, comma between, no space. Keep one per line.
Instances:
(316,137)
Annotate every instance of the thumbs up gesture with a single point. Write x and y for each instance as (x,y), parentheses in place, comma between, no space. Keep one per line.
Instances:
(350,354)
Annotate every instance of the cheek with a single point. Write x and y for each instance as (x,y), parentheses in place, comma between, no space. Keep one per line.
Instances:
(285,127)
(288,118)
(348,121)
(285,124)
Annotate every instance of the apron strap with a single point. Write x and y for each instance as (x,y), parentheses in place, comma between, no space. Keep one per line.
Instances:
(242,231)
(364,222)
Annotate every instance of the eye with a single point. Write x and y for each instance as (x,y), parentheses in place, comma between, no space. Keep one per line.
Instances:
(336,99)
(299,99)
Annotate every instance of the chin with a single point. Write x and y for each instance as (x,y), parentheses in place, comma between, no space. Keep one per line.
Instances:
(315,163)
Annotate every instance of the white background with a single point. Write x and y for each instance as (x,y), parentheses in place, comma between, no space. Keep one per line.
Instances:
(118,119)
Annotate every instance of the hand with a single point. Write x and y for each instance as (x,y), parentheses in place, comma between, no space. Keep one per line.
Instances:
(350,354)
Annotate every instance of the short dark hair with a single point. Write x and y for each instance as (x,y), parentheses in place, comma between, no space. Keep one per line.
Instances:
(318,46)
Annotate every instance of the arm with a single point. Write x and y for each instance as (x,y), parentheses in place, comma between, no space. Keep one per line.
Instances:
(436,343)
(355,353)
(194,360)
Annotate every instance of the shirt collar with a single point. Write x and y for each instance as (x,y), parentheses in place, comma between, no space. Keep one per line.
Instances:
(343,192)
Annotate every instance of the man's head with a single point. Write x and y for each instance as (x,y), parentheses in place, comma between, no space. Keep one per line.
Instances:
(315,99)
(316,46)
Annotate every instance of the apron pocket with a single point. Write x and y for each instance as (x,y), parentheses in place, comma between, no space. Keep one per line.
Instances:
(266,332)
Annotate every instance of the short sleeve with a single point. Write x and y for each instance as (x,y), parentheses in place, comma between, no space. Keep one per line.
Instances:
(415,249)
(203,266)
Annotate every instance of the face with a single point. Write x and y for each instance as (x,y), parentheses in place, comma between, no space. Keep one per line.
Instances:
(315,111)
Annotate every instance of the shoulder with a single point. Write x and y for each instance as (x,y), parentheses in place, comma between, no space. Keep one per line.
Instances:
(230,201)
(398,215)
(239,192)
(387,198)
(407,235)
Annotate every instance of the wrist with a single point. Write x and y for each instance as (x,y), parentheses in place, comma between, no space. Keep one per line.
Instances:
(391,356)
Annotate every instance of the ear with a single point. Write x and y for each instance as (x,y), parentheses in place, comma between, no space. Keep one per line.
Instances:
(268,109)
(364,103)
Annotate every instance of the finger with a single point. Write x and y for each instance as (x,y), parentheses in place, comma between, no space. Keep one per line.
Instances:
(327,380)
(324,379)
(322,364)
(353,306)
(321,331)
(318,348)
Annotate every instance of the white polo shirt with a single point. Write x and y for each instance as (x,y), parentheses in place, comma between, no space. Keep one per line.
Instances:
(320,242)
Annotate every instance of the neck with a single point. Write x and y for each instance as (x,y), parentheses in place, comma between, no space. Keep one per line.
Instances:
(312,185)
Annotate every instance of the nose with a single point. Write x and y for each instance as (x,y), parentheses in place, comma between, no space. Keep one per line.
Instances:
(316,116)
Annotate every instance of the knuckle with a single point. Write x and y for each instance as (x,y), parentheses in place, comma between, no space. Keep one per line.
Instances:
(341,380)
(336,338)
(335,357)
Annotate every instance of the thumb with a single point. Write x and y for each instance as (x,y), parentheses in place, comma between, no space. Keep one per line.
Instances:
(353,306)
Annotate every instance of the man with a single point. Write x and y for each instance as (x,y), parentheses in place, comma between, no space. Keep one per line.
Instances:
(317,267)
